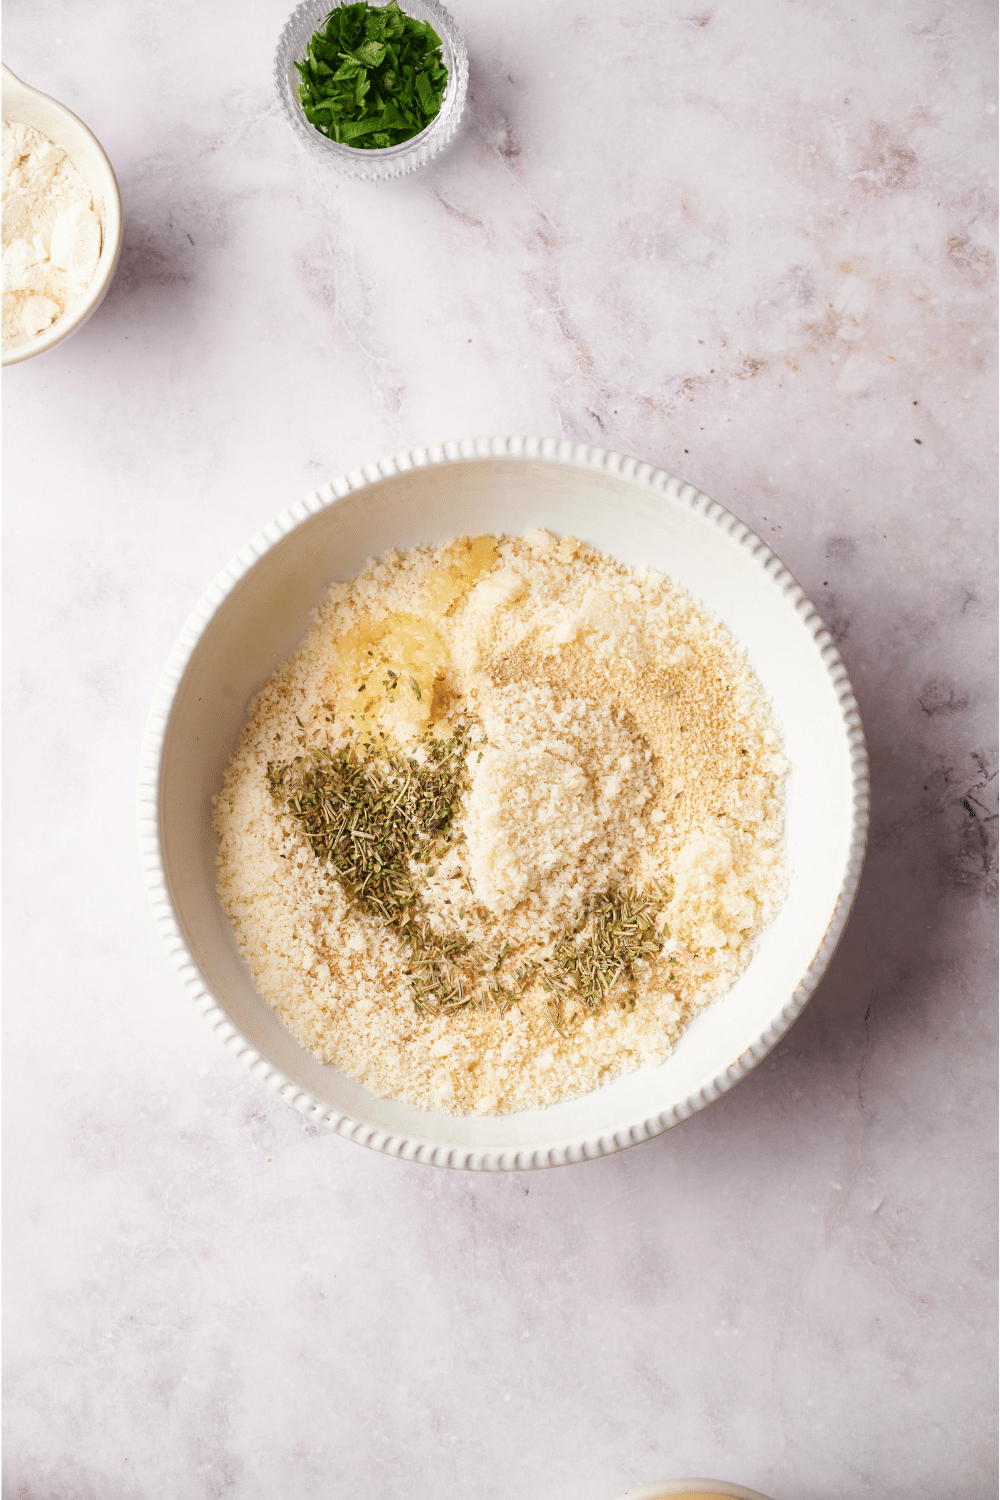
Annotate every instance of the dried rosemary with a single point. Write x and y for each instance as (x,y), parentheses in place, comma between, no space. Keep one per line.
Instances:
(371,813)
(611,940)
(368,812)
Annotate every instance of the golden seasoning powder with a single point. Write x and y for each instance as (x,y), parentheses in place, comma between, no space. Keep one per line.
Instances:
(507,819)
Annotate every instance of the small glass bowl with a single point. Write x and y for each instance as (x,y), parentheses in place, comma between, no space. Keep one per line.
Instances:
(375,163)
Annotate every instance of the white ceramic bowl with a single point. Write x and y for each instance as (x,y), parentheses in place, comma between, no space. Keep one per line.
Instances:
(257,611)
(372,164)
(26,106)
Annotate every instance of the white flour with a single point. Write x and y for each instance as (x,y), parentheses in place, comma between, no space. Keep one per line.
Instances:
(51,234)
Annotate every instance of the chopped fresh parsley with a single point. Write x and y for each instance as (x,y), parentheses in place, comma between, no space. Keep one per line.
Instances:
(372,76)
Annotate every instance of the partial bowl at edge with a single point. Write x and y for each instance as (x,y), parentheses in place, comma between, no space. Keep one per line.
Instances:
(674,1489)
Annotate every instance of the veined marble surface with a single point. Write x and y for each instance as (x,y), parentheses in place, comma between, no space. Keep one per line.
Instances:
(749,241)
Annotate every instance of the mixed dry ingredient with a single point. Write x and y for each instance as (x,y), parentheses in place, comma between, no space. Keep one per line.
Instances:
(51,234)
(507,819)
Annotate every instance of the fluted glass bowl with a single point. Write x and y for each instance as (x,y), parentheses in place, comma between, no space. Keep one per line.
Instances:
(372,164)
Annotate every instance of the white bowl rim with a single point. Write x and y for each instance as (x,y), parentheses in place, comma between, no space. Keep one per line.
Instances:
(111,229)
(561,451)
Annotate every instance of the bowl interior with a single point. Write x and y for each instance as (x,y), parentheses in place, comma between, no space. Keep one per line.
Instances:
(266,614)
(27,106)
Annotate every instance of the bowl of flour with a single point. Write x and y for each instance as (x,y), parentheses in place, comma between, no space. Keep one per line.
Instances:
(235,733)
(62,222)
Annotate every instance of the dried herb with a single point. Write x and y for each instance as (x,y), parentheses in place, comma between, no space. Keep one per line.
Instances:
(603,952)
(370,813)
(372,76)
(586,966)
(373,816)
(368,816)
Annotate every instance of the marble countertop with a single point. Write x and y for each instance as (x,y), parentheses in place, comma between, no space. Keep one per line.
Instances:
(749,243)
